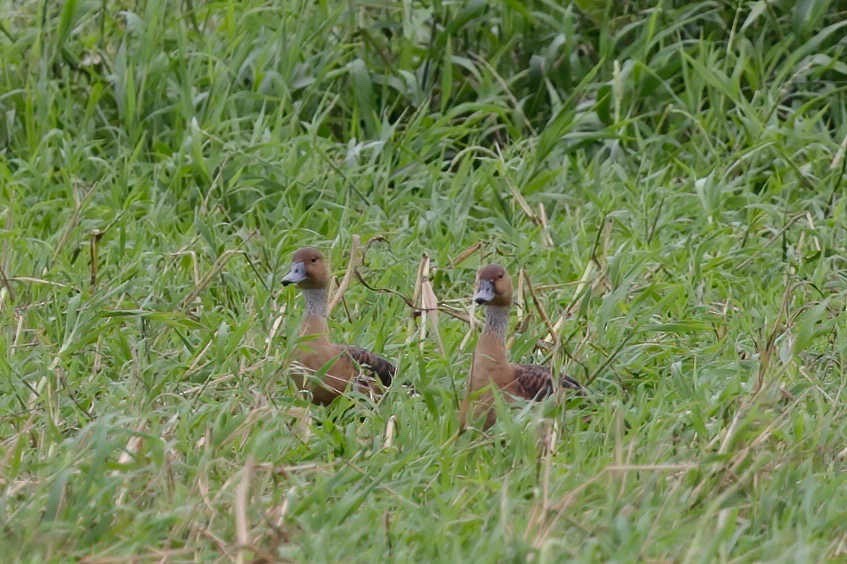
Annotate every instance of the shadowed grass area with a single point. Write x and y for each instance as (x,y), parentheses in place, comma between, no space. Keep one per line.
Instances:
(669,176)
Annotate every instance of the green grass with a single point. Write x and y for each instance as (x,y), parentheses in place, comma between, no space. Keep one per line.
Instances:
(160,161)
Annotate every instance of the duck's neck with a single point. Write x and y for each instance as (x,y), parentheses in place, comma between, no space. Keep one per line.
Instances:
(314,322)
(496,321)
(491,346)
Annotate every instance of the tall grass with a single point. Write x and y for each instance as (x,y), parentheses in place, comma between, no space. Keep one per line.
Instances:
(669,175)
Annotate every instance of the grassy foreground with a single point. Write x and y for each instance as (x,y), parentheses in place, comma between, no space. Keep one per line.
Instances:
(670,178)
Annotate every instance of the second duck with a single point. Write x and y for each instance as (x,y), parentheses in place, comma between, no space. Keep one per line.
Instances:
(491,367)
(328,368)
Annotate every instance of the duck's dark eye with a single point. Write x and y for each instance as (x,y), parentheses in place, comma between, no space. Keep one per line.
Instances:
(500,277)
(315,259)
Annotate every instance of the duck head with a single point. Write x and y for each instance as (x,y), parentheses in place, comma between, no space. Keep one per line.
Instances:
(493,286)
(309,269)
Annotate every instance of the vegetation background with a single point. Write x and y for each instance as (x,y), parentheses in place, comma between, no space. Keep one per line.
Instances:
(670,175)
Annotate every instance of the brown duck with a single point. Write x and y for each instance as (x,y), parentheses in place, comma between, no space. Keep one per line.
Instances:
(337,365)
(491,365)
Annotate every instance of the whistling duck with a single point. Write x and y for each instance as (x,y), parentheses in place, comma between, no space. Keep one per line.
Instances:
(338,364)
(491,365)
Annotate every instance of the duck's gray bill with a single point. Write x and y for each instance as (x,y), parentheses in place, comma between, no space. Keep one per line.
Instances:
(295,275)
(484,292)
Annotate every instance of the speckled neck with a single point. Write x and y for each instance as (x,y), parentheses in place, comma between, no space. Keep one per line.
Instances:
(496,320)
(315,302)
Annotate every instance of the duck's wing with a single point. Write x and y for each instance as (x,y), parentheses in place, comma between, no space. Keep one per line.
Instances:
(381,367)
(536,381)
(567,382)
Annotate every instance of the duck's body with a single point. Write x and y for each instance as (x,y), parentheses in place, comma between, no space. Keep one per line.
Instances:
(327,369)
(491,367)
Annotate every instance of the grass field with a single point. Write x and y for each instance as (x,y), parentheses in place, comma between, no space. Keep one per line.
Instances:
(670,178)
